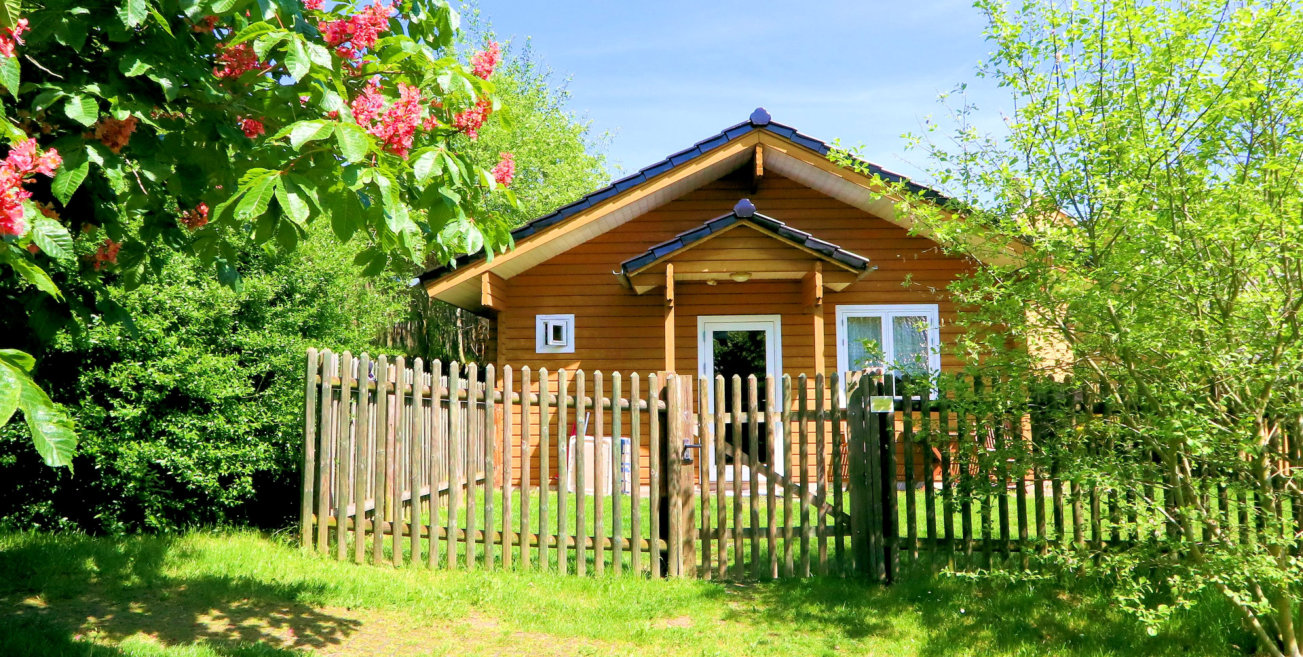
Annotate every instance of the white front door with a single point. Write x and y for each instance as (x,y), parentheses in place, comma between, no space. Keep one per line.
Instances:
(742,345)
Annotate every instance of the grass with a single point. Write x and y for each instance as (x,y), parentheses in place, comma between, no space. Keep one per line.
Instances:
(242,594)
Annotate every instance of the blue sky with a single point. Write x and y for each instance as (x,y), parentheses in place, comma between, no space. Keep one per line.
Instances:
(661,76)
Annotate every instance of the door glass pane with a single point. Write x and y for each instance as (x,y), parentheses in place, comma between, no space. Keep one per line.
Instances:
(864,342)
(742,353)
(909,337)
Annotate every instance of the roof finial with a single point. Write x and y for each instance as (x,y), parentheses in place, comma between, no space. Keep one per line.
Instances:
(744,209)
(760,117)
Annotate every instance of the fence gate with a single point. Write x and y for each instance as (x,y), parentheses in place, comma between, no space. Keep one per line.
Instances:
(455,466)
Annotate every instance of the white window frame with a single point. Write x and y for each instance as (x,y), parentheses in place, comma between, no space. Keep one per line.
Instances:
(541,325)
(887,312)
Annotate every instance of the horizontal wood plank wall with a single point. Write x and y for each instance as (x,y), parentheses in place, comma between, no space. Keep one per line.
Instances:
(616,330)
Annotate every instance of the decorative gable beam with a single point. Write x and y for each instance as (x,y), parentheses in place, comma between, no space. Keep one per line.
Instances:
(758,169)
(493,292)
(669,318)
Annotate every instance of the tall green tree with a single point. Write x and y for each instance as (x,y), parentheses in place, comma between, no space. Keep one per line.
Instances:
(558,160)
(274,114)
(1151,179)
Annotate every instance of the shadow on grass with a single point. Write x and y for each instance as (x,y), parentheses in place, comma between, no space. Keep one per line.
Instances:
(59,591)
(987,615)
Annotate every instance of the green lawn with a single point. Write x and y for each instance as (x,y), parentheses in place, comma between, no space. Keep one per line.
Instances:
(244,594)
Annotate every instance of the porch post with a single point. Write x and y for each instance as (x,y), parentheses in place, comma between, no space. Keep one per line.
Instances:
(669,317)
(812,286)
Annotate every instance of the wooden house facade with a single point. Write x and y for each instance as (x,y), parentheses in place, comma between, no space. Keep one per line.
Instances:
(748,253)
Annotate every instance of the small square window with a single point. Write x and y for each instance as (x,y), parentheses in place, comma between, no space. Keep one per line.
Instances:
(554,334)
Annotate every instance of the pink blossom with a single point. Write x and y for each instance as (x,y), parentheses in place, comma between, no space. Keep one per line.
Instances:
(8,37)
(368,104)
(505,170)
(252,127)
(484,61)
(312,5)
(396,127)
(472,119)
(235,60)
(12,195)
(22,157)
(205,25)
(107,254)
(48,162)
(22,162)
(303,101)
(354,35)
(196,218)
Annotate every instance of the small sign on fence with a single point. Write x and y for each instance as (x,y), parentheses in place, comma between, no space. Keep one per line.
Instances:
(881,403)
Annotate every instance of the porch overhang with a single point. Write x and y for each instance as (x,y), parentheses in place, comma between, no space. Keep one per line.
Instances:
(647,271)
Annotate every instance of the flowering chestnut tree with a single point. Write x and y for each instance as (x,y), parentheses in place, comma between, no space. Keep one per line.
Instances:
(142,125)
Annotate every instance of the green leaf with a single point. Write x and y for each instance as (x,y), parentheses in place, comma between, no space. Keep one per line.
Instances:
(161,20)
(288,235)
(52,430)
(292,202)
(20,359)
(10,12)
(266,228)
(68,179)
(354,142)
(296,60)
(53,238)
(256,197)
(228,275)
(9,384)
(318,54)
(132,65)
(167,84)
(82,109)
(9,74)
(372,260)
(249,32)
(346,214)
(30,272)
(10,131)
(263,44)
(133,12)
(306,131)
(426,164)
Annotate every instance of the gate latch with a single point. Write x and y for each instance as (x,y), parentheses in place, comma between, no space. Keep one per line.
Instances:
(687,451)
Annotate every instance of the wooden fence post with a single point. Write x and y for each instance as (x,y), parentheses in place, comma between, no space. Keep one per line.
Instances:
(858,454)
(677,499)
(309,447)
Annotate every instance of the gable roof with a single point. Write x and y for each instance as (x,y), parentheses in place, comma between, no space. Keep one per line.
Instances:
(759,120)
(744,213)
(787,152)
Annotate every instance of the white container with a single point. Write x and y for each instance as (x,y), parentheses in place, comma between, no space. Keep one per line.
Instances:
(591,484)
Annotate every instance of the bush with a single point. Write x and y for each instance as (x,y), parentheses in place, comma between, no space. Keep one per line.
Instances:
(191,415)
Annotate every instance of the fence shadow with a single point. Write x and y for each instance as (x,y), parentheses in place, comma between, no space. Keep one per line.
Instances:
(54,594)
(982,615)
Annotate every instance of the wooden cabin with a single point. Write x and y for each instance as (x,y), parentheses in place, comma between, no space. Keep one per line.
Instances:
(747,253)
(753,229)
